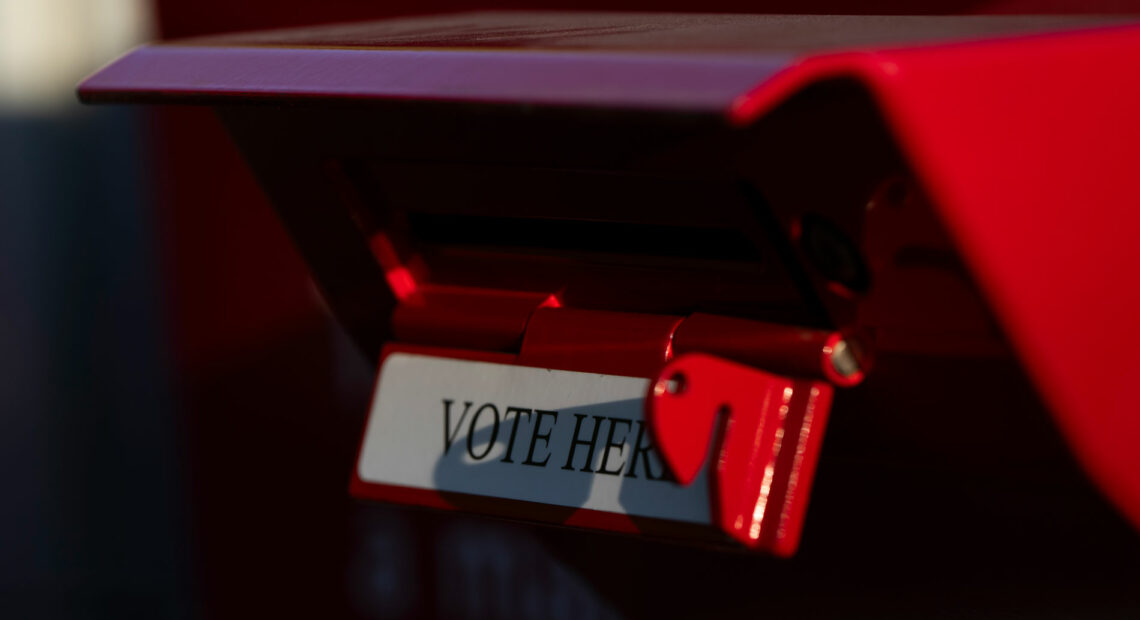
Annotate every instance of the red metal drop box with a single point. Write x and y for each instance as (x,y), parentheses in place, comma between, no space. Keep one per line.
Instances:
(619,270)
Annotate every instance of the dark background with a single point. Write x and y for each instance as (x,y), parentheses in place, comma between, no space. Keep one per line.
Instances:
(181,416)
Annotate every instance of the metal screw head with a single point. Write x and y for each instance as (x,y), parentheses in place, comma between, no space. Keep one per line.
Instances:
(673,385)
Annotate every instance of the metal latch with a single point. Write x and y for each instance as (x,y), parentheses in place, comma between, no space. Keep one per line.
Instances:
(750,397)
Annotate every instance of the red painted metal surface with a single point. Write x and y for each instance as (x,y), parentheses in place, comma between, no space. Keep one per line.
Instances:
(803,352)
(467,319)
(237,257)
(619,343)
(761,431)
(1025,145)
(1031,162)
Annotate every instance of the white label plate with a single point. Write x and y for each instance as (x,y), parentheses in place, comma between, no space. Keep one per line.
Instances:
(425,409)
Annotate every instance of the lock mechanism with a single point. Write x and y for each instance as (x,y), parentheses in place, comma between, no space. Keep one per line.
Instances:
(762,432)
(750,399)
